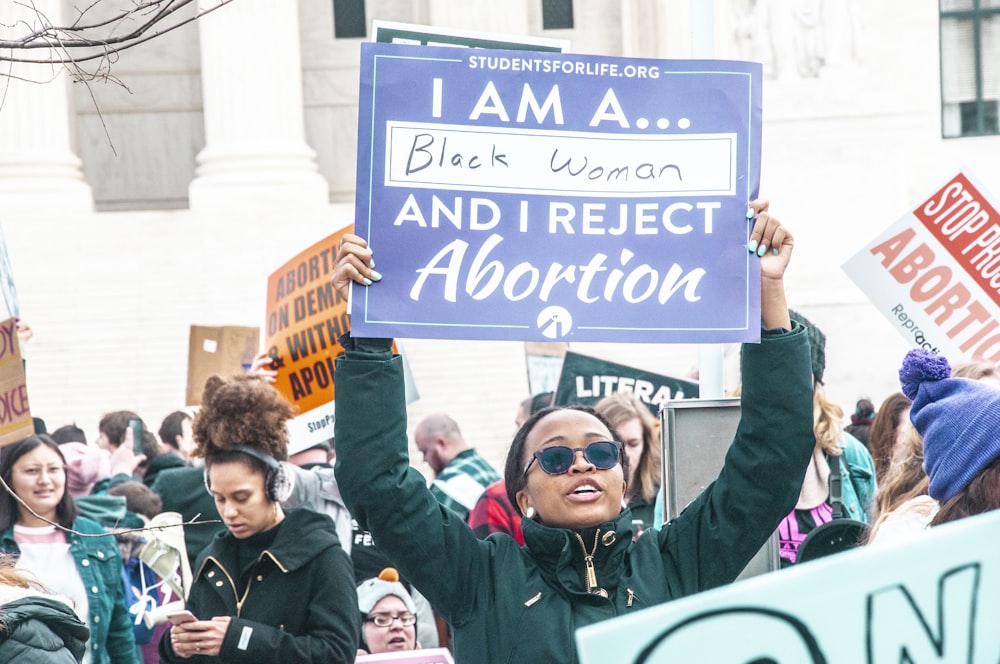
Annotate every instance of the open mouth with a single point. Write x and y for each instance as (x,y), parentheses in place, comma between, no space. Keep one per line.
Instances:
(585,492)
(396,643)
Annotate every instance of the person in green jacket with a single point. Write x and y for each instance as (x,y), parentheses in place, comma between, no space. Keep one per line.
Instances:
(566,474)
(40,527)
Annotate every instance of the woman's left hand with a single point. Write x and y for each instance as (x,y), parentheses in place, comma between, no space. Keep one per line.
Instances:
(200,637)
(771,241)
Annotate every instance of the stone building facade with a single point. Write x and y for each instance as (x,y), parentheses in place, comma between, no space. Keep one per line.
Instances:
(134,210)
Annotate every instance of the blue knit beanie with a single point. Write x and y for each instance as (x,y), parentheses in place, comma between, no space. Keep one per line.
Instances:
(959,419)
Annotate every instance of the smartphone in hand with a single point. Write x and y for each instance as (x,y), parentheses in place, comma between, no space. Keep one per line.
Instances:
(135,424)
(181,617)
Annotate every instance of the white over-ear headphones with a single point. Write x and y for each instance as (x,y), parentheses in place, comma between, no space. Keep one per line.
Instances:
(278,483)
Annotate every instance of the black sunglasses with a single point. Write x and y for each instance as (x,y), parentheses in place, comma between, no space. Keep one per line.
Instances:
(556,460)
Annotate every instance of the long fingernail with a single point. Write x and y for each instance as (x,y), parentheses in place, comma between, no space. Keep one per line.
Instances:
(775,251)
(750,213)
(376,276)
(761,250)
(369,250)
(752,246)
(368,282)
(371,263)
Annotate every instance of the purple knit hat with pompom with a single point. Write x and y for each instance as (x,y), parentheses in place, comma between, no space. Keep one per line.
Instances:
(958,418)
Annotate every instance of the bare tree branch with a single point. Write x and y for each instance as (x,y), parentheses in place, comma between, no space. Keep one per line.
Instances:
(87,39)
(196,521)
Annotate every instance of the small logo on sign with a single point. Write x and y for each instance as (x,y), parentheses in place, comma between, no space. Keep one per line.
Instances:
(555,322)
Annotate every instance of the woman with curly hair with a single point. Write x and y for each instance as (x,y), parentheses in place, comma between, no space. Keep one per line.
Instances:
(275,585)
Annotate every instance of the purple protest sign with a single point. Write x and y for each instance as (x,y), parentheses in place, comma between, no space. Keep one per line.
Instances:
(515,195)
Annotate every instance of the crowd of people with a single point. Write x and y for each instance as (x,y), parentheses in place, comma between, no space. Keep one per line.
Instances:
(330,551)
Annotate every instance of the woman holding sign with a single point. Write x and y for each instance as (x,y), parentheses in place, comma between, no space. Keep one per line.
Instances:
(566,474)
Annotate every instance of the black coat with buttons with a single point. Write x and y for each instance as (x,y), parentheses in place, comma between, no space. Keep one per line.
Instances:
(298,604)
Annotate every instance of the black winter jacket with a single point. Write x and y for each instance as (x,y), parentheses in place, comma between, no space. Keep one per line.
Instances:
(298,603)
(35,628)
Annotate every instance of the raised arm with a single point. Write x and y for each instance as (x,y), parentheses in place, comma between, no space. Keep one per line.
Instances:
(759,483)
(773,243)
(428,543)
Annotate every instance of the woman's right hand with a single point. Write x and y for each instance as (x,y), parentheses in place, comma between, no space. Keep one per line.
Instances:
(354,263)
(199,637)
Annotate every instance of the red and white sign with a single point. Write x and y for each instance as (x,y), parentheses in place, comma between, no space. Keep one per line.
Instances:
(935,273)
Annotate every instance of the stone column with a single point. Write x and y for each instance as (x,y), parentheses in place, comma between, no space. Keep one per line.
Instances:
(656,28)
(507,18)
(38,168)
(255,149)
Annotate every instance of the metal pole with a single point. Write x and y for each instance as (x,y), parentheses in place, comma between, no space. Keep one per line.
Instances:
(710,369)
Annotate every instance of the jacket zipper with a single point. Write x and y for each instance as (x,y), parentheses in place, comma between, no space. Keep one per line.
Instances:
(588,561)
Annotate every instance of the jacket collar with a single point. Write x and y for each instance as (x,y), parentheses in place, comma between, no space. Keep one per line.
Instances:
(561,554)
(302,536)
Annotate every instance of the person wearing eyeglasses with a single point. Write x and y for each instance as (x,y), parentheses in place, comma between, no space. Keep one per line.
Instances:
(566,474)
(388,615)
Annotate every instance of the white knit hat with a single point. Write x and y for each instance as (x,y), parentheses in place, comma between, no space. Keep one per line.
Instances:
(386,583)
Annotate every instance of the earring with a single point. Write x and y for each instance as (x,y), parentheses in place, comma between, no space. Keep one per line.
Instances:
(624,503)
(530,514)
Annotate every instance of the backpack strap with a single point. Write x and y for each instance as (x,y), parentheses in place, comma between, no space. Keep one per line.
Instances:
(836,487)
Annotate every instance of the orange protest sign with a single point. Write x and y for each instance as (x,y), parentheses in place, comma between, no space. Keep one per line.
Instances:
(15,414)
(304,319)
